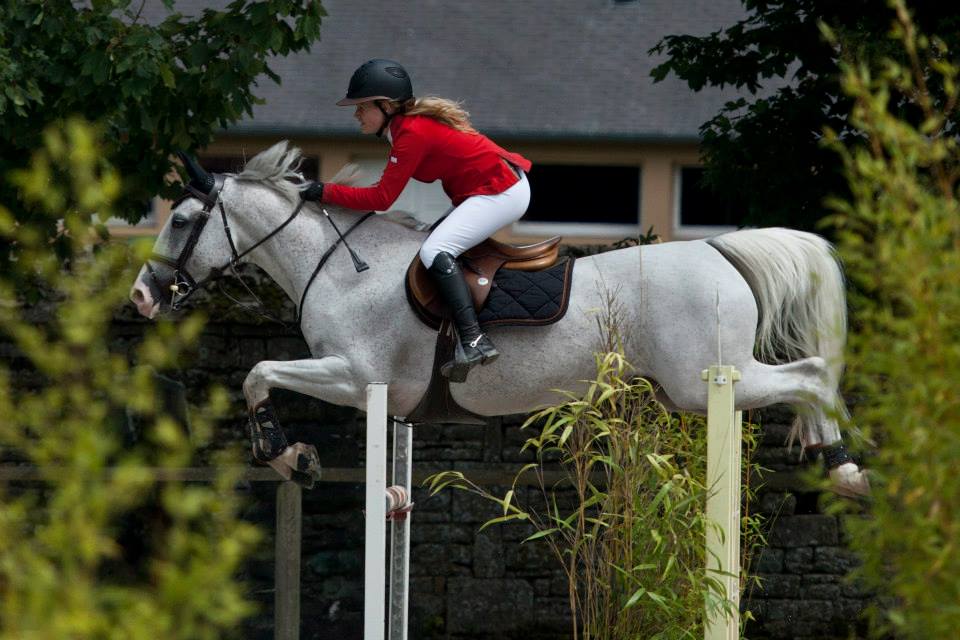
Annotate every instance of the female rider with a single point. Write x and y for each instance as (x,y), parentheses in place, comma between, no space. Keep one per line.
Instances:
(432,139)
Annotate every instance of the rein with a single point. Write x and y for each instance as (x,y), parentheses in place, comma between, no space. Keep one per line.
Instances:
(184,285)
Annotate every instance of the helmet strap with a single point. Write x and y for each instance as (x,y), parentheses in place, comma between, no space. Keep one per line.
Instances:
(387,117)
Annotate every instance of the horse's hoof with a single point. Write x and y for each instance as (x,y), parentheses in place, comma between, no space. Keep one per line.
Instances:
(309,463)
(305,480)
(850,481)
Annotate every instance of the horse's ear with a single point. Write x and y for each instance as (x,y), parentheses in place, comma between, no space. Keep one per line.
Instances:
(199,178)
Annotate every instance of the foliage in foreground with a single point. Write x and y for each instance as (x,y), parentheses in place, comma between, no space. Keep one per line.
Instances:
(64,571)
(900,239)
(157,80)
(631,544)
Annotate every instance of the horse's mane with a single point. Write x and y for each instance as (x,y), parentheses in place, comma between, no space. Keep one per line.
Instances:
(279,168)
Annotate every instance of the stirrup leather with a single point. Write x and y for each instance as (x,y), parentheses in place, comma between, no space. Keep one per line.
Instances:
(266,437)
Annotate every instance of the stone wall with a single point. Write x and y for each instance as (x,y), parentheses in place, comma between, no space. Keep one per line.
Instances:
(471,584)
(804,587)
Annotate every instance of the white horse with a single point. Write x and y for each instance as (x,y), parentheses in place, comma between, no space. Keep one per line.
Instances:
(770,300)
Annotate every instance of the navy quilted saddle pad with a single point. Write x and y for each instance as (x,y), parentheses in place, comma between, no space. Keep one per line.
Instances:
(528,298)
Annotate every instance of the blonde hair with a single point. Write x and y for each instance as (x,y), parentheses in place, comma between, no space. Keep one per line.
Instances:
(449,112)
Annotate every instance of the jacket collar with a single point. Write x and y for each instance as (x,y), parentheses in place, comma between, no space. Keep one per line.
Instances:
(396,122)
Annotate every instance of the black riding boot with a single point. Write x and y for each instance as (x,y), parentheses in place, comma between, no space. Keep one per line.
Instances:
(476,346)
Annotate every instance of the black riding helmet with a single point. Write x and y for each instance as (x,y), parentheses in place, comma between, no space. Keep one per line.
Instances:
(378,79)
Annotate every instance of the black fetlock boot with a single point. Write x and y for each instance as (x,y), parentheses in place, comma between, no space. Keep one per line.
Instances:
(266,437)
(474,346)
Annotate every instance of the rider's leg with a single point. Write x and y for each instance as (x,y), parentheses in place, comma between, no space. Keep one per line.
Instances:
(477,347)
(469,224)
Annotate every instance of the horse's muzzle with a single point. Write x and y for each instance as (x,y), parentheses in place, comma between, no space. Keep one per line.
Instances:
(141,295)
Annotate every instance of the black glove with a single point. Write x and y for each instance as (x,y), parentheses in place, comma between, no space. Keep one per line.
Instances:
(314,192)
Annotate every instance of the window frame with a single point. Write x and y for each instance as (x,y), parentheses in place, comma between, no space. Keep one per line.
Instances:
(691,231)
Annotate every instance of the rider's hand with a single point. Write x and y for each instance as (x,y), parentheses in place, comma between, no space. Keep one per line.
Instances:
(313,192)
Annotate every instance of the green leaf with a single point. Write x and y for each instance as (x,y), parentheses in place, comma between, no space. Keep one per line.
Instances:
(506,501)
(639,593)
(502,519)
(167,75)
(541,534)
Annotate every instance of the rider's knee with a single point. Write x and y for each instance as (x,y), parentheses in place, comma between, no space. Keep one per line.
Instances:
(430,250)
(427,254)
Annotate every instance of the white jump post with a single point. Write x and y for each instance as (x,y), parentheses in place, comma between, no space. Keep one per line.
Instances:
(375,542)
(724,437)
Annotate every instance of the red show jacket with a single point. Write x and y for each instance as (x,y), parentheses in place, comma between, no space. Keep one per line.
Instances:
(467,164)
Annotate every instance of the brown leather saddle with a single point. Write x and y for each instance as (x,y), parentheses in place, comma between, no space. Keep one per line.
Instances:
(479,264)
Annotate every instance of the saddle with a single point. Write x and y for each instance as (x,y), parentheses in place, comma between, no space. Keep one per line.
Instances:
(480,265)
(511,286)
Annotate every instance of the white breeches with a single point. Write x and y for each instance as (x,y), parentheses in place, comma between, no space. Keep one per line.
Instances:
(476,219)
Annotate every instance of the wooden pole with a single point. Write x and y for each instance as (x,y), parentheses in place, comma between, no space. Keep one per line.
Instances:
(286,599)
(724,437)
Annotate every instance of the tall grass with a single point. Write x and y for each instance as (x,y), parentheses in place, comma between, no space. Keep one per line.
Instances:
(632,544)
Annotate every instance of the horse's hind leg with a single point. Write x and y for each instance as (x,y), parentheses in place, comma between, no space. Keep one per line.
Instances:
(803,383)
(808,386)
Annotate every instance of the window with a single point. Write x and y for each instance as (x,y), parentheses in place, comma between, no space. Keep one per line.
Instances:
(697,213)
(586,200)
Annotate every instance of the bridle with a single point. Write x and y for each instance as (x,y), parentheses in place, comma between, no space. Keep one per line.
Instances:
(185,285)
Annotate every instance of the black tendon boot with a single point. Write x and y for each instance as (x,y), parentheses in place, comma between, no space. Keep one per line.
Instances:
(266,437)
(474,347)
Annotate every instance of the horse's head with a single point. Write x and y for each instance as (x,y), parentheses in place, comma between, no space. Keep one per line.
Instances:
(188,251)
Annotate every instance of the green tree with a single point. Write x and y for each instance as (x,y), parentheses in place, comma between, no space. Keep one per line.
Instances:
(764,151)
(156,88)
(899,236)
(64,572)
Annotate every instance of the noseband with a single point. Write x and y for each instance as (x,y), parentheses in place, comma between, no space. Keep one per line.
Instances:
(185,285)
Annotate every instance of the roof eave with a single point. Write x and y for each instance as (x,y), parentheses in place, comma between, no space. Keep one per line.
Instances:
(249,129)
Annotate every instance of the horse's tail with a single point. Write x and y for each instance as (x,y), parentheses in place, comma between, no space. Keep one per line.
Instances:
(797,282)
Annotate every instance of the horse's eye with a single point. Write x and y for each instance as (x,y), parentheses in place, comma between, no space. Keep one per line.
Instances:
(178,222)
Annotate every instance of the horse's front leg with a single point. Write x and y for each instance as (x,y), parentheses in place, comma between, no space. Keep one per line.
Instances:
(328,379)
